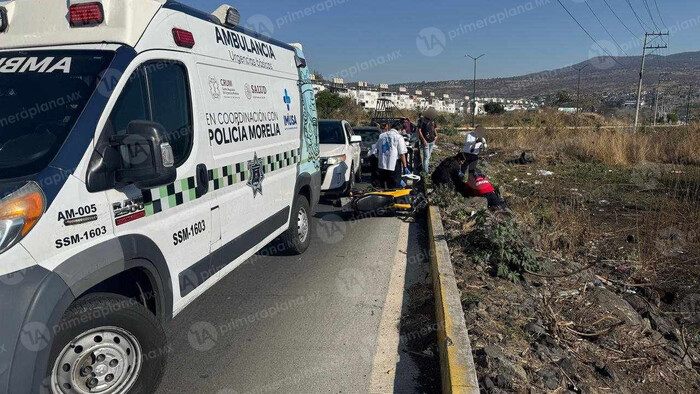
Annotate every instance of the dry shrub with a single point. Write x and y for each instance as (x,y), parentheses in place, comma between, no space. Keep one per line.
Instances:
(548,118)
(673,145)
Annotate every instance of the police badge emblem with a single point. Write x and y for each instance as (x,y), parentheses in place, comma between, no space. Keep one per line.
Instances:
(256,172)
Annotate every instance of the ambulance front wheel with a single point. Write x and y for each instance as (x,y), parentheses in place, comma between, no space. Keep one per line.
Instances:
(298,237)
(107,344)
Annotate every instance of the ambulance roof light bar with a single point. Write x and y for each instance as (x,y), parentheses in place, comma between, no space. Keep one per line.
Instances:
(233,17)
(3,20)
(86,14)
(228,16)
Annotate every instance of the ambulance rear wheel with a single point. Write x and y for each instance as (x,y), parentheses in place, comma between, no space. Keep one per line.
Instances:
(298,237)
(119,348)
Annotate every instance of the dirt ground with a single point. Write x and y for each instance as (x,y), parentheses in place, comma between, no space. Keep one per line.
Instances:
(611,301)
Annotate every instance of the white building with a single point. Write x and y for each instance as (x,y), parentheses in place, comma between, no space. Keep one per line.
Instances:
(365,95)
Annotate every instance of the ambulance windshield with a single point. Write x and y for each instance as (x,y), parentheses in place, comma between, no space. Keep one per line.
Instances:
(42,94)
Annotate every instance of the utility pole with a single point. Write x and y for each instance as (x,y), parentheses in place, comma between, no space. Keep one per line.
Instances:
(656,99)
(578,93)
(687,107)
(641,72)
(474,91)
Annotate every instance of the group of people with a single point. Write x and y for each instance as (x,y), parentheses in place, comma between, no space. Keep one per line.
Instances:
(391,149)
(458,173)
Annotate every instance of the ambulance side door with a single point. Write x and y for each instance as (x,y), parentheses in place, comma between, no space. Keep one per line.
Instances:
(177,217)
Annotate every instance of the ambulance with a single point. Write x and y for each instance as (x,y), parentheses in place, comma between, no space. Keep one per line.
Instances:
(147,149)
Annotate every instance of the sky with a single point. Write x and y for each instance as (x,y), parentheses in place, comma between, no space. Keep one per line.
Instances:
(393,41)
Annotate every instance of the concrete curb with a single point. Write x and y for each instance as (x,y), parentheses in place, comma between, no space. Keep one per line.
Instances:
(456,360)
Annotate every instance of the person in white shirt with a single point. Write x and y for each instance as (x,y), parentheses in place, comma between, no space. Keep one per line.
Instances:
(474,144)
(391,154)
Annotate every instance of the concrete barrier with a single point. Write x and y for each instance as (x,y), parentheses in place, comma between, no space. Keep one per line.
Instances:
(456,359)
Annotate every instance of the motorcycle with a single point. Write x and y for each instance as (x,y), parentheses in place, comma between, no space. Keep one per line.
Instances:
(383,202)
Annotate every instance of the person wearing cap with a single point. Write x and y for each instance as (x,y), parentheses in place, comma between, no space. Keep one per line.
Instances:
(391,154)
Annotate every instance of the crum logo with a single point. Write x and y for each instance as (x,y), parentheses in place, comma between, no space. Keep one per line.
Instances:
(34,64)
(247,44)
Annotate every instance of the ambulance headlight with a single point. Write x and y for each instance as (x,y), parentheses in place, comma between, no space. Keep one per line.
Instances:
(335,160)
(19,213)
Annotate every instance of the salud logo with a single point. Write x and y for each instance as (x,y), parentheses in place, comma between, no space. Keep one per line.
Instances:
(255,91)
(287,100)
(257,175)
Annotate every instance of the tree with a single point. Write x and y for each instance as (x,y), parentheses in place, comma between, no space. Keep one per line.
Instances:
(494,108)
(563,97)
(329,104)
(332,106)
(672,118)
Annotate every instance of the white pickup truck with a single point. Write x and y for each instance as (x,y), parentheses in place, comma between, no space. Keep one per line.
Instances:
(341,164)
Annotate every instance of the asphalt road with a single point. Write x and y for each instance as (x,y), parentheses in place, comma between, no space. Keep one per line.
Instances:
(279,324)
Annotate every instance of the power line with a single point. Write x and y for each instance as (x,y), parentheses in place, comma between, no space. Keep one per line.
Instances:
(661,18)
(589,34)
(646,5)
(620,19)
(605,28)
(644,26)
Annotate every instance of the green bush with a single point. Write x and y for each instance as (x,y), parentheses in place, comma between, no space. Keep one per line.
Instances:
(498,242)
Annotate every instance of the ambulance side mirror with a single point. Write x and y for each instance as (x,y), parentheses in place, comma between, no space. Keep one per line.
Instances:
(147,159)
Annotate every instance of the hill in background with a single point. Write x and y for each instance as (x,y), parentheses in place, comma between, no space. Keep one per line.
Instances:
(603,76)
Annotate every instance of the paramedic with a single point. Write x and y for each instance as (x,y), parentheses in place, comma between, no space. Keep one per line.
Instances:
(391,155)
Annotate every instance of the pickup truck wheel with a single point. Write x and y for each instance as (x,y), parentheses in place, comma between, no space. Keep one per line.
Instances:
(298,237)
(358,175)
(351,182)
(120,348)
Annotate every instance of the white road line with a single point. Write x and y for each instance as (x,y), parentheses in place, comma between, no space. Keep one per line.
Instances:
(387,353)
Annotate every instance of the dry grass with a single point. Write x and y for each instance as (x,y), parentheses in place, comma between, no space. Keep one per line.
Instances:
(625,208)
(673,145)
(548,118)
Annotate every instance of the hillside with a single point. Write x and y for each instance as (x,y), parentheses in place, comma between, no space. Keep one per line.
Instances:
(601,76)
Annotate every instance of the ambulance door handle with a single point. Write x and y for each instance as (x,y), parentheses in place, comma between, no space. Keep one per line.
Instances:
(202,187)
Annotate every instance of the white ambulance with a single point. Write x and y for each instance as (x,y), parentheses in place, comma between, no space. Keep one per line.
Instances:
(147,149)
